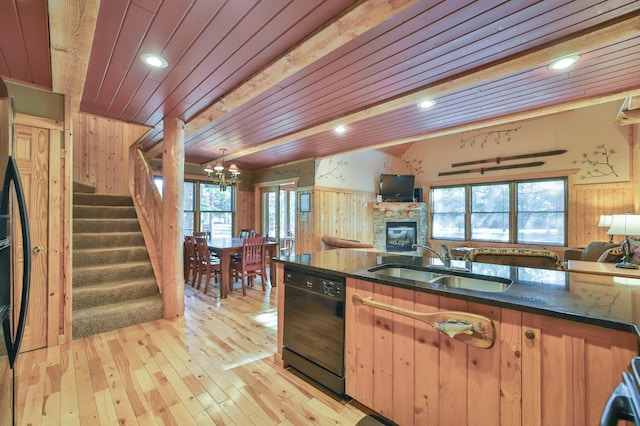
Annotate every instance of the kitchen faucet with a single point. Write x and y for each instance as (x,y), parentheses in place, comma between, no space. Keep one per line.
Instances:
(445,257)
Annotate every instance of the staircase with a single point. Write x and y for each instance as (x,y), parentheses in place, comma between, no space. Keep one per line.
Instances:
(113,281)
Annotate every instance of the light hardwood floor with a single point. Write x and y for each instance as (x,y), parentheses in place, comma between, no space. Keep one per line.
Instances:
(214,366)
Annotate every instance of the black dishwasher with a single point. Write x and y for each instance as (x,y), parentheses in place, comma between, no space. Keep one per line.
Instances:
(314,326)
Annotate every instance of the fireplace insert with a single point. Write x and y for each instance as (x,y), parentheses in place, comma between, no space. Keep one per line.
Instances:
(401,236)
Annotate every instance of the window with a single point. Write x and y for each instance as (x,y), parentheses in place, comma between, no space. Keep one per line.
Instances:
(216,210)
(448,213)
(490,212)
(541,212)
(523,212)
(189,206)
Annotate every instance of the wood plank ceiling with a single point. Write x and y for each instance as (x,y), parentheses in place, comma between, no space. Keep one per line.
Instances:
(269,79)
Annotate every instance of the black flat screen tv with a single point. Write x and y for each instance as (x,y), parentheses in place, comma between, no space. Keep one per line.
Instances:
(397,187)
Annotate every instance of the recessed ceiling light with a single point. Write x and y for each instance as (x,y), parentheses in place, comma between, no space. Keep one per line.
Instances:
(153,60)
(427,103)
(340,129)
(563,63)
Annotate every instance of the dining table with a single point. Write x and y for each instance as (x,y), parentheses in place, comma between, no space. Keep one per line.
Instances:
(225,247)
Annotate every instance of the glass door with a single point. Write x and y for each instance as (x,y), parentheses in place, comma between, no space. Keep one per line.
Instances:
(279,215)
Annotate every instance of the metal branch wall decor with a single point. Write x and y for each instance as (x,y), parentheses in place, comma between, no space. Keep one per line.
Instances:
(332,170)
(483,138)
(414,166)
(285,173)
(598,163)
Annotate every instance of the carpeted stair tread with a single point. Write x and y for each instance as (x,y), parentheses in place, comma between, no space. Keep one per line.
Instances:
(99,319)
(109,273)
(90,296)
(85,225)
(101,200)
(100,212)
(88,240)
(83,188)
(108,256)
(113,281)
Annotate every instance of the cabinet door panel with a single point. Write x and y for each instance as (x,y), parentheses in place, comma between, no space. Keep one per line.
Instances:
(483,381)
(453,372)
(427,371)
(359,344)
(403,378)
(510,367)
(569,369)
(383,354)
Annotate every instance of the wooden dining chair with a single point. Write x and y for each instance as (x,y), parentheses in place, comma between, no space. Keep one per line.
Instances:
(191,260)
(247,233)
(208,266)
(251,264)
(244,233)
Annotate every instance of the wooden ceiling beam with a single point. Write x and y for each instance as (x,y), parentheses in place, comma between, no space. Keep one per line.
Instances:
(619,30)
(72,26)
(629,112)
(353,22)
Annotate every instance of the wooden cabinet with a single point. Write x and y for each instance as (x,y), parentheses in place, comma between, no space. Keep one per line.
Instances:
(569,369)
(415,375)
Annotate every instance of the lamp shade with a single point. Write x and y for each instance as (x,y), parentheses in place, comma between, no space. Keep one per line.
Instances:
(625,224)
(605,220)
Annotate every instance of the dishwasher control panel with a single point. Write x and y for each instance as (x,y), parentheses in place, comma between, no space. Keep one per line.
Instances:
(332,288)
(326,284)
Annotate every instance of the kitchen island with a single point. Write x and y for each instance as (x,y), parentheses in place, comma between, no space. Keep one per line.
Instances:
(561,342)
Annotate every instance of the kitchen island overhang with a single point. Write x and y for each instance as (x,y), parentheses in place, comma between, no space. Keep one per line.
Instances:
(604,301)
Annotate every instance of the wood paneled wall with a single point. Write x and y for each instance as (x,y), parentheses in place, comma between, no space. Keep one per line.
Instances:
(245,217)
(101,152)
(335,212)
(588,202)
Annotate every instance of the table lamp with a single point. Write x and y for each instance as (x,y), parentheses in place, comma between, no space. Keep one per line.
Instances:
(605,222)
(626,225)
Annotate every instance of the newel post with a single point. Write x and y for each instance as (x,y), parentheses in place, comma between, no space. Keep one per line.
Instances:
(172,206)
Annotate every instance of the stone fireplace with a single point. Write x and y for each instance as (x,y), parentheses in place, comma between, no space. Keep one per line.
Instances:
(397,226)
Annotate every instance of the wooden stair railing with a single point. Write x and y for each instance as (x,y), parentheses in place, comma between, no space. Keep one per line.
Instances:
(148,203)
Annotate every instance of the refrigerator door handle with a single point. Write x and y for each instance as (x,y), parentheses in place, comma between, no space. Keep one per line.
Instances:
(11,174)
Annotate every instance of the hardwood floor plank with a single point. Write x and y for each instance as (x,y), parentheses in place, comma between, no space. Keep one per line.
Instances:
(214,410)
(159,408)
(120,399)
(182,415)
(24,363)
(86,402)
(213,366)
(131,386)
(34,398)
(106,409)
(170,372)
(70,413)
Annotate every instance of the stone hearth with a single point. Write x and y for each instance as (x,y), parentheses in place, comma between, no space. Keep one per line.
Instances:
(398,213)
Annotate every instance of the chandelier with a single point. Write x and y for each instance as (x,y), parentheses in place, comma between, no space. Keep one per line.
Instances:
(221,176)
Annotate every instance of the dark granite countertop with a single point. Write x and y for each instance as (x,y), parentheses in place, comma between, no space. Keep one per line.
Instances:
(605,301)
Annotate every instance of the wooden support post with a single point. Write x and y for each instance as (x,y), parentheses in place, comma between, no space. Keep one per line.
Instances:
(172,206)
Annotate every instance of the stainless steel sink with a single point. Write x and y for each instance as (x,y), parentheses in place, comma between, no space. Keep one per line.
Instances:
(406,273)
(443,278)
(472,283)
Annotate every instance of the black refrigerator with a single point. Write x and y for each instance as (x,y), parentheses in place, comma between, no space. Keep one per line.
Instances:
(14,295)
